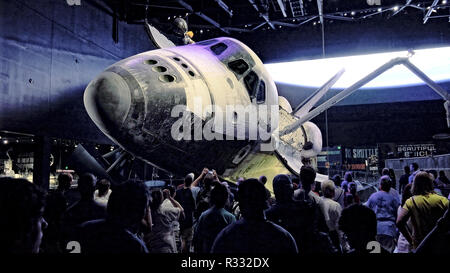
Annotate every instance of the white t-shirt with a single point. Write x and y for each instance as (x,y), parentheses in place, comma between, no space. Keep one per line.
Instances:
(167,205)
(103,200)
(331,211)
(162,239)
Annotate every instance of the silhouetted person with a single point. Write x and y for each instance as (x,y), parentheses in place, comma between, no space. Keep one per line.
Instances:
(385,207)
(253,233)
(359,224)
(351,197)
(299,218)
(186,199)
(347,179)
(21,216)
(393,179)
(434,175)
(128,206)
(307,180)
(230,202)
(204,196)
(391,176)
(415,169)
(403,181)
(57,204)
(338,192)
(213,220)
(442,178)
(263,180)
(424,208)
(85,209)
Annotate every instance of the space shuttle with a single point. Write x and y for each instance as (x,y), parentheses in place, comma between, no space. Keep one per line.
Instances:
(133,102)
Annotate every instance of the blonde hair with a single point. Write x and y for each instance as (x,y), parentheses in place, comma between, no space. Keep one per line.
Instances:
(328,188)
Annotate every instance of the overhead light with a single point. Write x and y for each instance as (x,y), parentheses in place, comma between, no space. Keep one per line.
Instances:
(444,2)
(353,13)
(380,9)
(345,14)
(395,8)
(434,62)
(314,23)
(5,141)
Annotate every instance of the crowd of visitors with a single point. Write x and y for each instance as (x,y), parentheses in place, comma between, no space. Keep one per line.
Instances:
(203,215)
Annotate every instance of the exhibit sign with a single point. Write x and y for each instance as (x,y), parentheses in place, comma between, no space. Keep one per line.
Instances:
(415,150)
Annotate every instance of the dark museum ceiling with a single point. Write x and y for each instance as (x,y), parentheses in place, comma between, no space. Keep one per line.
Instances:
(228,16)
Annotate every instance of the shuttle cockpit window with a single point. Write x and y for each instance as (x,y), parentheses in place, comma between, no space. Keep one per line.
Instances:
(261,95)
(219,48)
(251,83)
(238,66)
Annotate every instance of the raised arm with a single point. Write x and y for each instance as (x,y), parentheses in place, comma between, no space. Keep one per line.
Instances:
(200,177)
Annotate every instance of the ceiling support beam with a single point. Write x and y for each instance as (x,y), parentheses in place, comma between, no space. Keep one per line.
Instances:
(403,7)
(282,7)
(225,7)
(202,15)
(430,10)
(264,16)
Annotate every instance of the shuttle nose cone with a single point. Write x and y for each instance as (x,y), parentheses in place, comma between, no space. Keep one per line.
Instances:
(107,100)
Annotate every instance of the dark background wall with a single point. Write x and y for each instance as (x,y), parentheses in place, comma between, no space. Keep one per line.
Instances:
(49,51)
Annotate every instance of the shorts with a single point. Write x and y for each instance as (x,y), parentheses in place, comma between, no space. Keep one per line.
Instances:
(187,234)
